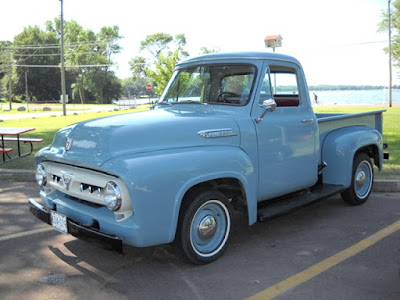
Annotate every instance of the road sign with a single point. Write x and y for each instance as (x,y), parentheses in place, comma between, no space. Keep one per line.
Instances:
(149,87)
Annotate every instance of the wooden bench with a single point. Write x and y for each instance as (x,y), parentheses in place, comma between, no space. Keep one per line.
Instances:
(5,150)
(12,135)
(25,140)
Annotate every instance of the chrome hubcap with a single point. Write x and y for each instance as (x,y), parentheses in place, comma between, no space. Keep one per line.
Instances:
(207,227)
(361,178)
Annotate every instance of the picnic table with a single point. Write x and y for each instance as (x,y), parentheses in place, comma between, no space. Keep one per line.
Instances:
(12,134)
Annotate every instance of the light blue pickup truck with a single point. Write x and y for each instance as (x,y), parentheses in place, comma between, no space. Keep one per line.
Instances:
(232,131)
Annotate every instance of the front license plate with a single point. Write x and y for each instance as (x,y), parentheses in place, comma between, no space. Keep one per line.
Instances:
(59,222)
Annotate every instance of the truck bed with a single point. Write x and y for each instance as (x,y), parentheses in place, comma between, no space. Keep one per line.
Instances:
(330,122)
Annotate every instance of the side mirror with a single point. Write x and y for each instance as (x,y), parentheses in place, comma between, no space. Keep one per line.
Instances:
(268,105)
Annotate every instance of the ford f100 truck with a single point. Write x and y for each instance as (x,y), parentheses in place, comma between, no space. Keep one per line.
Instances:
(232,131)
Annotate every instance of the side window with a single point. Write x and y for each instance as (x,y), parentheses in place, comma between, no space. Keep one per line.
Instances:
(266,91)
(285,87)
(285,84)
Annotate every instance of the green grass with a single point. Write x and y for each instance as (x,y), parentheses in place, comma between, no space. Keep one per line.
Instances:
(46,128)
(38,108)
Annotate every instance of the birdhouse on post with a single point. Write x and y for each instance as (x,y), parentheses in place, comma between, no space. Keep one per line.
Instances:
(273,41)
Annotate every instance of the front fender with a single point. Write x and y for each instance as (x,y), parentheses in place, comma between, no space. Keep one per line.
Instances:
(339,148)
(157,182)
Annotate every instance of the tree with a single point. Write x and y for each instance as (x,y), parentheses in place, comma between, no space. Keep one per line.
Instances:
(4,48)
(107,47)
(160,52)
(43,51)
(205,50)
(134,87)
(138,66)
(156,43)
(163,70)
(395,27)
(91,54)
(111,87)
(78,51)
(4,52)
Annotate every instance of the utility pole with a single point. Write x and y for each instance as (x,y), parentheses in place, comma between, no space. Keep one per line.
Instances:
(26,90)
(62,62)
(273,41)
(390,57)
(9,78)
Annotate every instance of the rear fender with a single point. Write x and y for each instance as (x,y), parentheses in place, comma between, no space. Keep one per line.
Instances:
(339,148)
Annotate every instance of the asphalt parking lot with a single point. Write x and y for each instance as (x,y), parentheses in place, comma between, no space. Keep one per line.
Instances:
(328,250)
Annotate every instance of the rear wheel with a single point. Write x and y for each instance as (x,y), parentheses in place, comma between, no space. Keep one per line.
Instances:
(362,180)
(204,227)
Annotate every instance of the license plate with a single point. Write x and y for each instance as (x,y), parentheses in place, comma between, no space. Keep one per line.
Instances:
(59,222)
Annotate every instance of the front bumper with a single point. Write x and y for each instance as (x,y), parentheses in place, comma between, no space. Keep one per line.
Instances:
(79,231)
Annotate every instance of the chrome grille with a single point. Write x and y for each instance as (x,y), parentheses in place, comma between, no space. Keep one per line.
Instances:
(90,189)
(85,186)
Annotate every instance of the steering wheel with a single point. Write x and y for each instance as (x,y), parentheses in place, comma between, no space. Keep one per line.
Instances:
(224,95)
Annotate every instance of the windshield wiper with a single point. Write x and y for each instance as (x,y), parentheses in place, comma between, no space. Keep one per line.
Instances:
(188,102)
(164,103)
(192,102)
(179,102)
(160,103)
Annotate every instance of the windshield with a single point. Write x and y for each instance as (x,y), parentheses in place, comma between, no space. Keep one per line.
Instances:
(219,84)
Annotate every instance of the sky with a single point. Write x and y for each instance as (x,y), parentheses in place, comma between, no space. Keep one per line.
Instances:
(336,41)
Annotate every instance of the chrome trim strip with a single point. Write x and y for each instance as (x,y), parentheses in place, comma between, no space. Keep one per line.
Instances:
(217,133)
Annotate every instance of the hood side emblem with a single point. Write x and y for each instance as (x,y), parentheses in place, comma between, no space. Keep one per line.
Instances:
(216,133)
(68,143)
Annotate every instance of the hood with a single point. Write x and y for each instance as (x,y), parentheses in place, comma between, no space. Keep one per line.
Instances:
(96,141)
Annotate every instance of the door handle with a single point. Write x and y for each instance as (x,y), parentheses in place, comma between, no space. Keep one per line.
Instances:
(309,121)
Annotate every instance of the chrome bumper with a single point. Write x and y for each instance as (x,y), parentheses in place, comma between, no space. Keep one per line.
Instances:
(81,232)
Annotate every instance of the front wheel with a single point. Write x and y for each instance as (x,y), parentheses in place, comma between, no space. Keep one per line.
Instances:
(204,227)
(362,180)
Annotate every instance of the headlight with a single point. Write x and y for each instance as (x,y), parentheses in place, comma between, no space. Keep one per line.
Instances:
(112,196)
(41,175)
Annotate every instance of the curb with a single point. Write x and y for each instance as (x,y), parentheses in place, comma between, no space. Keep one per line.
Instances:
(386,186)
(381,185)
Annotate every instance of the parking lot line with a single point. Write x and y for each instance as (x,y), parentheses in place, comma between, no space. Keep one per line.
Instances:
(326,264)
(25,233)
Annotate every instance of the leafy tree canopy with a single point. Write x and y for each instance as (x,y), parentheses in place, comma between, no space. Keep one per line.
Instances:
(4,57)
(43,80)
(134,87)
(88,56)
(160,53)
(395,28)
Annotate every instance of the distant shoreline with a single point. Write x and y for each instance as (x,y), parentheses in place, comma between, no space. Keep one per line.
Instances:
(348,87)
(354,105)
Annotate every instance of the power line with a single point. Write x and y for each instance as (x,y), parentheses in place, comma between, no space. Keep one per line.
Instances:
(47,54)
(29,56)
(57,66)
(54,46)
(30,47)
(54,54)
(366,43)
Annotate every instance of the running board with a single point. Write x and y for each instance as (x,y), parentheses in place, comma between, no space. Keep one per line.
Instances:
(282,207)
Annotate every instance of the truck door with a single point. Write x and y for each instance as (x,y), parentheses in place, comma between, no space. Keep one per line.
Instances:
(287,137)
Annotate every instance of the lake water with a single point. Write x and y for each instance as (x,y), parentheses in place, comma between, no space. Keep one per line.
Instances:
(325,98)
(356,97)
